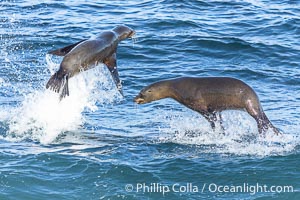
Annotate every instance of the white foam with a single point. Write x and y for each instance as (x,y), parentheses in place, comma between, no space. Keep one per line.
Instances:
(42,117)
(241,136)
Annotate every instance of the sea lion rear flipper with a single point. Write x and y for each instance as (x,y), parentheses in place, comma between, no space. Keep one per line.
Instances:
(111,63)
(59,83)
(65,89)
(63,51)
(264,123)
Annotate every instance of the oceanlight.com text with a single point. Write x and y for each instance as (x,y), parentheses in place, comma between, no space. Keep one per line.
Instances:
(251,189)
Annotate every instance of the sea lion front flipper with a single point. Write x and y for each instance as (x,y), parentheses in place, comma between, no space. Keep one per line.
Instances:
(111,63)
(63,51)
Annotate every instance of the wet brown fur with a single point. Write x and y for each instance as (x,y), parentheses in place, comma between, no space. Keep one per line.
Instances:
(85,55)
(209,96)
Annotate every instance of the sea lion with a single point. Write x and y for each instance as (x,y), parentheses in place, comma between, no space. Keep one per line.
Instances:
(85,55)
(209,96)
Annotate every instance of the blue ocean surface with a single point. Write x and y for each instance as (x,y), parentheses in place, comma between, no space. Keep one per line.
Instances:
(96,144)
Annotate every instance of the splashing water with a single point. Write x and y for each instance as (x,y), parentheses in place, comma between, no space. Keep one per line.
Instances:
(42,117)
(241,136)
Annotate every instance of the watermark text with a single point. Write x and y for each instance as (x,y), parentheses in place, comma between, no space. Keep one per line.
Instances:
(251,189)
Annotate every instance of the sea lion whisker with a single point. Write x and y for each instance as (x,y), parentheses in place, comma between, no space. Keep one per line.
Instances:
(134,40)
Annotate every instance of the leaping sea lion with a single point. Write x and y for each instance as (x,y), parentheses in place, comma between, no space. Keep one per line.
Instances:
(209,96)
(85,55)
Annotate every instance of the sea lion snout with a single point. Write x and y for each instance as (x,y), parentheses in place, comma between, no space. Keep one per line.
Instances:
(131,33)
(124,32)
(139,99)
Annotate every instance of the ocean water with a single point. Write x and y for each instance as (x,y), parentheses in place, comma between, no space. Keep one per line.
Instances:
(96,144)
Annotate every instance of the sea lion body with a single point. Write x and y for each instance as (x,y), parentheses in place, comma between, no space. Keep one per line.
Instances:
(89,53)
(85,55)
(209,96)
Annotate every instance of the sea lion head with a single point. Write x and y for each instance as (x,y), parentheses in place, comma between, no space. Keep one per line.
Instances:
(124,32)
(152,92)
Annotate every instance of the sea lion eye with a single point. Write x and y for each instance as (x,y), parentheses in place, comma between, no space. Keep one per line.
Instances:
(149,91)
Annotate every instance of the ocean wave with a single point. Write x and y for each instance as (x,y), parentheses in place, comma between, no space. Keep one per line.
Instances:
(42,117)
(240,138)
